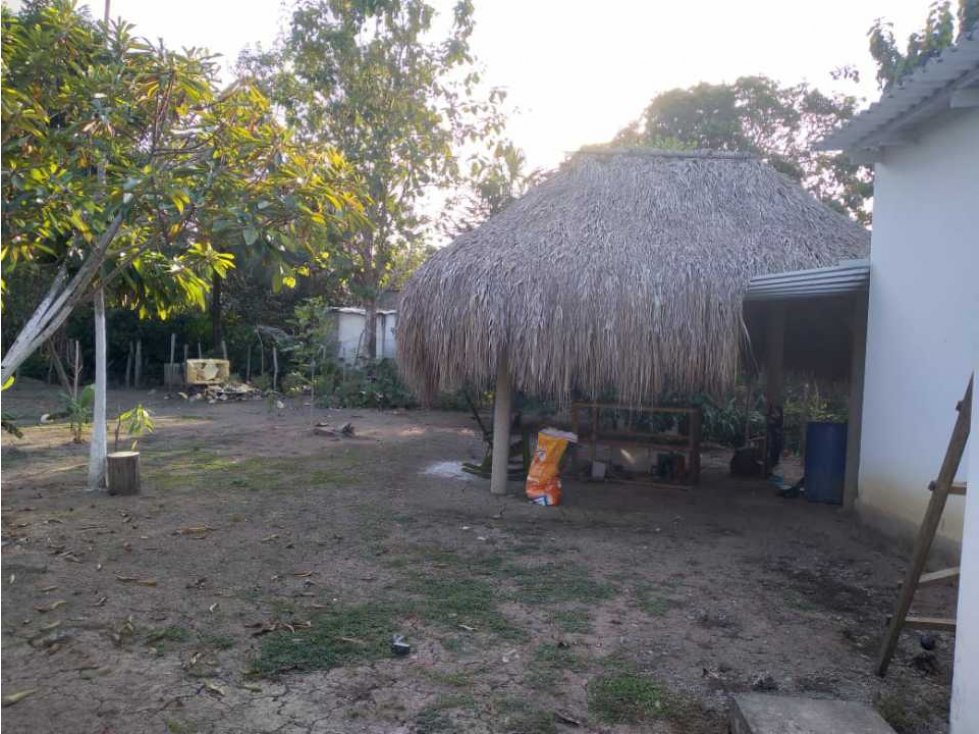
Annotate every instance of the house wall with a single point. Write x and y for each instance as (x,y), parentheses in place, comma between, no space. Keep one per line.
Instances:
(923,322)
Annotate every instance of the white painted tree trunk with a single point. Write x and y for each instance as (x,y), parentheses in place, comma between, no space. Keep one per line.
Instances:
(58,303)
(99,447)
(501,428)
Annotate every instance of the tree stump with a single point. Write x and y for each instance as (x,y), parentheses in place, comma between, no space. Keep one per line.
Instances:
(123,472)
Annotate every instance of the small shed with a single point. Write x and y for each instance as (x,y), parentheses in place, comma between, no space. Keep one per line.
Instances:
(350,332)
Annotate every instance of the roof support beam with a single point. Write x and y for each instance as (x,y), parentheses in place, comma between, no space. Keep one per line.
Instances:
(501,427)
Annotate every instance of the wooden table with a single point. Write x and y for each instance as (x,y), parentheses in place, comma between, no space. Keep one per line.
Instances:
(591,422)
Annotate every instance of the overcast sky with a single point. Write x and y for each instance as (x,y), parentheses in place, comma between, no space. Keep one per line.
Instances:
(577,72)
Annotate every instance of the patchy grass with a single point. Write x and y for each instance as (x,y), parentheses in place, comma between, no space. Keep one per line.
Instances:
(549,663)
(555,583)
(573,621)
(456,601)
(625,698)
(433,719)
(173,633)
(218,642)
(652,603)
(517,715)
(336,638)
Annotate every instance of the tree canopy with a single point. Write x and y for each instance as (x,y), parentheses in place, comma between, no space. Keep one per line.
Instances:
(940,30)
(370,78)
(757,115)
(126,165)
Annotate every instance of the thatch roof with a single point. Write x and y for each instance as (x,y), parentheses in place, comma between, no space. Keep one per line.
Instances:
(624,269)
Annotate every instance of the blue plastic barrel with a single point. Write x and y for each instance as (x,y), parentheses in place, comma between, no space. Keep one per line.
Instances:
(825,462)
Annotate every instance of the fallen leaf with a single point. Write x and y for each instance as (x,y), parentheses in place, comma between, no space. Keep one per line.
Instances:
(198,530)
(13,577)
(102,600)
(212,688)
(18,697)
(51,607)
(251,687)
(136,580)
(48,589)
(302,574)
(467,628)
(267,538)
(212,607)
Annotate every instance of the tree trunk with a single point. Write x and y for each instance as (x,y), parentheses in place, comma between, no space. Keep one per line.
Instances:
(217,333)
(123,472)
(370,330)
(97,452)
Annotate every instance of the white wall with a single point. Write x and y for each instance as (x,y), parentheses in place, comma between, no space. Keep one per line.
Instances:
(350,330)
(923,327)
(965,680)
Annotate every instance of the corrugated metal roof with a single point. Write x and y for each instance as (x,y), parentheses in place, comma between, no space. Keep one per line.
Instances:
(850,276)
(923,94)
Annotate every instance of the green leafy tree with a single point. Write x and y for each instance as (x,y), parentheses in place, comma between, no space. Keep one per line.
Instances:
(367,77)
(127,169)
(757,115)
(939,32)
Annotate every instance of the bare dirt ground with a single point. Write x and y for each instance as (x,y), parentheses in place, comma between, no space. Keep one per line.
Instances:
(255,583)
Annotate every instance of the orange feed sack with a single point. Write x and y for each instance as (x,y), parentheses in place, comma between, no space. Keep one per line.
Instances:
(543,480)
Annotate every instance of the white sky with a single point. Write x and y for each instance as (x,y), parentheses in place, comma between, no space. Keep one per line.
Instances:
(577,72)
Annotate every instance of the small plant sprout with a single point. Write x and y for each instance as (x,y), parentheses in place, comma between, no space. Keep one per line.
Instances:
(138,420)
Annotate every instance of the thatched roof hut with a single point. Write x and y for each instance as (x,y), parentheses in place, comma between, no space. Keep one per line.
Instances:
(624,269)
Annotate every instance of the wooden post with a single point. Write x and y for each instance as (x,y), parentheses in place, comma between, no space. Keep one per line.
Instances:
(173,348)
(501,428)
(184,365)
(774,353)
(224,350)
(138,365)
(261,353)
(200,353)
(248,364)
(129,366)
(123,472)
(858,355)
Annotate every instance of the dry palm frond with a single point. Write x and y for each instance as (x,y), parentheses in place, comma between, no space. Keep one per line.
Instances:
(623,270)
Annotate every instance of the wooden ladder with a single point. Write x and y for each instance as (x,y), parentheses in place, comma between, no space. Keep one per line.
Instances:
(941,488)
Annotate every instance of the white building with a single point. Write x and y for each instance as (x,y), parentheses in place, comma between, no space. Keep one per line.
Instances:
(350,333)
(923,318)
(922,340)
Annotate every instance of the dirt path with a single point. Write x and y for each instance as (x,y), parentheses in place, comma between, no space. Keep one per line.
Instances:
(255,583)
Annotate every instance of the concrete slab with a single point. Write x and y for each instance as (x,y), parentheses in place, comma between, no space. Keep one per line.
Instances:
(754,713)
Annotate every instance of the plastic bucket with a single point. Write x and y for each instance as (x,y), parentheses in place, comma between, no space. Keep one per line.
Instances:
(825,462)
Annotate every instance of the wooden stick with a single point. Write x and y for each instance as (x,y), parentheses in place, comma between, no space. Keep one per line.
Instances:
(138,365)
(926,533)
(173,348)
